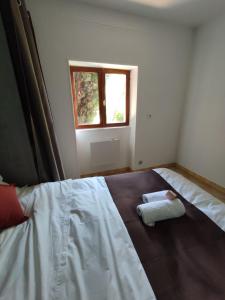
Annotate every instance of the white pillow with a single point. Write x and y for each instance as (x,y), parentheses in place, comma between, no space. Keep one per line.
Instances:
(3,182)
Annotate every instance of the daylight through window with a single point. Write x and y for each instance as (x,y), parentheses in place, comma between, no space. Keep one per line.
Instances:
(100,96)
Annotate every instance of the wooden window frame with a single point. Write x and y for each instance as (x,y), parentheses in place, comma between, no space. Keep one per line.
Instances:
(101,84)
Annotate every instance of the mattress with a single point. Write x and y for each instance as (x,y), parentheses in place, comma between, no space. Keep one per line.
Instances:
(76,245)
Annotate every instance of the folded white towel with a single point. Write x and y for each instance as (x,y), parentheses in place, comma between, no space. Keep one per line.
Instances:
(160,210)
(158,196)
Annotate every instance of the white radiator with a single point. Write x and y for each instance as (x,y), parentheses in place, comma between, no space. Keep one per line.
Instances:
(105,152)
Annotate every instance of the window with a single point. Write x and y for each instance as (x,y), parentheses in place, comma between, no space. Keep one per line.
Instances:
(100,97)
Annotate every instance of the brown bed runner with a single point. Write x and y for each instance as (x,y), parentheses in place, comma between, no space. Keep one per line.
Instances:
(184,258)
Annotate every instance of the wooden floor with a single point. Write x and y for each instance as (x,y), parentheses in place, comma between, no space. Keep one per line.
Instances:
(198,180)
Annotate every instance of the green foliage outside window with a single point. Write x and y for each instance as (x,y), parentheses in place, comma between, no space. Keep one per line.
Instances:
(118,117)
(87,94)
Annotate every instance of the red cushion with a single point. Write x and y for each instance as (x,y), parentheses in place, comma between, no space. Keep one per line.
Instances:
(11,213)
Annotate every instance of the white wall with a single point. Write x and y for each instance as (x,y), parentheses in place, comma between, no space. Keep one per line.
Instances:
(202,145)
(66,31)
(125,135)
(85,137)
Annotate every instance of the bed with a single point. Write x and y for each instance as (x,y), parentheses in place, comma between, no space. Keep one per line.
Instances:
(85,241)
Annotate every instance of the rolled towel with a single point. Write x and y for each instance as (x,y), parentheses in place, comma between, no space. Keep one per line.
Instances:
(160,210)
(158,196)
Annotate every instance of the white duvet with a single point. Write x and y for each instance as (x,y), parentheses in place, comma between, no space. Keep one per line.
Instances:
(75,246)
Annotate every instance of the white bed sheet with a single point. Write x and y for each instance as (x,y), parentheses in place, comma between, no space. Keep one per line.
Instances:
(208,204)
(75,246)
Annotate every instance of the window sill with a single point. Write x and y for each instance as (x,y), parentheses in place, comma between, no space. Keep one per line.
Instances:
(80,130)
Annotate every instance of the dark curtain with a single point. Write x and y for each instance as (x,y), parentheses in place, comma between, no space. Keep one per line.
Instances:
(32,89)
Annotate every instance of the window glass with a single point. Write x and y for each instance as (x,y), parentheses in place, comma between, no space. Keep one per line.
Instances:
(115,98)
(87,98)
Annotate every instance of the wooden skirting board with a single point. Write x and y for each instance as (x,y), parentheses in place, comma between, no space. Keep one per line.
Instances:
(168,166)
(200,178)
(211,187)
(107,173)
(126,170)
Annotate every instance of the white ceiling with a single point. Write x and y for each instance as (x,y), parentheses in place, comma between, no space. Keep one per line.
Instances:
(189,12)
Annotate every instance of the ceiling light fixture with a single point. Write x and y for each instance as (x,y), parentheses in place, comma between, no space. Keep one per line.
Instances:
(159,3)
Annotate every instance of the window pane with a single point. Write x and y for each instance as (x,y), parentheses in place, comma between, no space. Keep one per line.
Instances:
(87,97)
(115,93)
